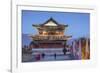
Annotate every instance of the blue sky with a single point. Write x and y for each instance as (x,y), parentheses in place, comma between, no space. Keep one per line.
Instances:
(78,23)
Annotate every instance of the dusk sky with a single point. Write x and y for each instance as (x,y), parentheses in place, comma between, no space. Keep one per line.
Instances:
(78,23)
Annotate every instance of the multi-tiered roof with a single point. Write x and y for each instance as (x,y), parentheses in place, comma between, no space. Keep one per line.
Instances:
(50,30)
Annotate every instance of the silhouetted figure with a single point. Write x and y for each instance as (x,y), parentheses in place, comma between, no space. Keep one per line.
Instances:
(43,55)
(55,55)
(64,51)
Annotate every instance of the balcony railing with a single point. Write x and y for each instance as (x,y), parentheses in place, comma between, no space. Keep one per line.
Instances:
(37,37)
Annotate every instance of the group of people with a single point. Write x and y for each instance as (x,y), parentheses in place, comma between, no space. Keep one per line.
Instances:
(43,55)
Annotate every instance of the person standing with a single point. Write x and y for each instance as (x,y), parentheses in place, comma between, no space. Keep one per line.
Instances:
(55,56)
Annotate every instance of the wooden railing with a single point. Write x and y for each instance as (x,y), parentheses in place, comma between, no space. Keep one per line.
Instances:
(50,37)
